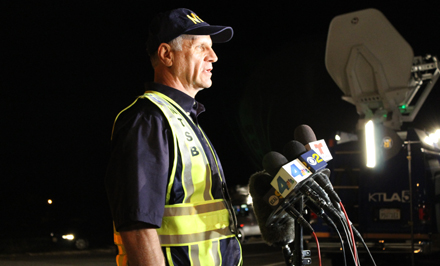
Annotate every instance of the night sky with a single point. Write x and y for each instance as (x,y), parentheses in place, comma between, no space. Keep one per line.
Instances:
(68,68)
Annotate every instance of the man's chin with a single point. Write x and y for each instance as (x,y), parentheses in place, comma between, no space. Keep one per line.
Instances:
(205,86)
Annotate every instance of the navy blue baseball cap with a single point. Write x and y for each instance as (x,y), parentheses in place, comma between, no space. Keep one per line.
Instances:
(169,25)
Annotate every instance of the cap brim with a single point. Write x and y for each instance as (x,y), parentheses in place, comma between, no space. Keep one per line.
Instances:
(219,34)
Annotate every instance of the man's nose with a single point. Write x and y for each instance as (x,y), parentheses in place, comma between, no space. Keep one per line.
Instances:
(211,57)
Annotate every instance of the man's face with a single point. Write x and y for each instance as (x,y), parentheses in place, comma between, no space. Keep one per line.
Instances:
(193,64)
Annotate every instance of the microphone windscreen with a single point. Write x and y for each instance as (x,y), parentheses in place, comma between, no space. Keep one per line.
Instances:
(293,149)
(283,233)
(304,134)
(272,162)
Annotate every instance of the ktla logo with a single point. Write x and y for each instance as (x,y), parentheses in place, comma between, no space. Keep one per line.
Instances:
(194,18)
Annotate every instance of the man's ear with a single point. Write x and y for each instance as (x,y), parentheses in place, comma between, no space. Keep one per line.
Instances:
(165,54)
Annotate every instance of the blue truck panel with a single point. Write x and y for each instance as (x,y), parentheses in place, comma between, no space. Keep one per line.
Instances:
(378,200)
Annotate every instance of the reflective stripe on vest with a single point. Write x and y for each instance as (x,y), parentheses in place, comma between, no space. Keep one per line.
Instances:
(196,174)
(194,251)
(183,224)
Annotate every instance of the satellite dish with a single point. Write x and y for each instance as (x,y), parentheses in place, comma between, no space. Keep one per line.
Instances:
(374,67)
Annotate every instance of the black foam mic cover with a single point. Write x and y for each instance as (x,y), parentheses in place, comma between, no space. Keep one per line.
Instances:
(304,134)
(273,161)
(283,233)
(293,149)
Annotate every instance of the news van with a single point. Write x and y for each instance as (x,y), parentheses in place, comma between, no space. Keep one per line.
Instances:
(395,205)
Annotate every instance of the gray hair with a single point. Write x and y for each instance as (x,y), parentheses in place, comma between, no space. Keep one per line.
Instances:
(176,45)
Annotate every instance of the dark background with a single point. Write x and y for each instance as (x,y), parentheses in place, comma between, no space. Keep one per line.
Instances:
(68,68)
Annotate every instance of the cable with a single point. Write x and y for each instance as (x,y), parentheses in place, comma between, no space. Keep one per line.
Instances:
(345,223)
(347,235)
(339,215)
(330,222)
(318,248)
(313,195)
(364,244)
(340,212)
(351,233)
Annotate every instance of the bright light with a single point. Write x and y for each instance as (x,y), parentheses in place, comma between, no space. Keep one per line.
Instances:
(249,200)
(49,201)
(370,144)
(337,137)
(435,137)
(68,237)
(432,139)
(428,140)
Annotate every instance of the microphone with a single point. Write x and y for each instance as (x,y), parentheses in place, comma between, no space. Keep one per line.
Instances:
(283,232)
(287,176)
(314,163)
(273,161)
(294,149)
(289,179)
(306,136)
(266,198)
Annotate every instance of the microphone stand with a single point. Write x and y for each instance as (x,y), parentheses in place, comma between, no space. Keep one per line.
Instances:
(411,210)
(300,256)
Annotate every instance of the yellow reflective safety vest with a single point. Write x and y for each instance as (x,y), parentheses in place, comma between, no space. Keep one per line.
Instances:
(200,222)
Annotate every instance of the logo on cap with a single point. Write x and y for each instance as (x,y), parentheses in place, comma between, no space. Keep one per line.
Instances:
(195,18)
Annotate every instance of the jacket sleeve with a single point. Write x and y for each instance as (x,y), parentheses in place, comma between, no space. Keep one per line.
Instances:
(139,168)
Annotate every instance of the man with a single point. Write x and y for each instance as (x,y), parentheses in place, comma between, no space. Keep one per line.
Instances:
(164,182)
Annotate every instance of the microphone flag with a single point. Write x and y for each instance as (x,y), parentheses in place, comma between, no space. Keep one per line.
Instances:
(321,149)
(312,161)
(289,176)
